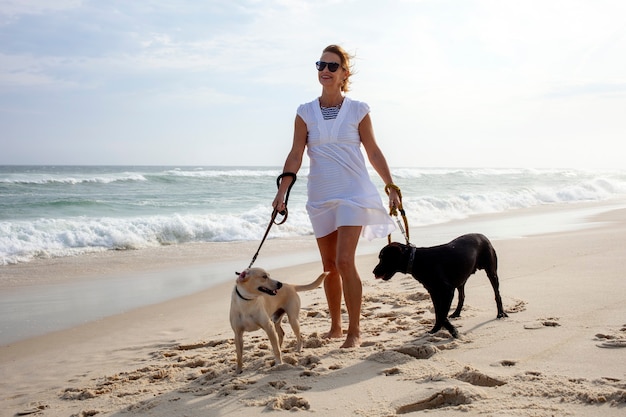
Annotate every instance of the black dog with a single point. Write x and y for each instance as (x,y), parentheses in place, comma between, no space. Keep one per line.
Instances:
(441,269)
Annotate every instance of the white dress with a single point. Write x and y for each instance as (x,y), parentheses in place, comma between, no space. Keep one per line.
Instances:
(340,191)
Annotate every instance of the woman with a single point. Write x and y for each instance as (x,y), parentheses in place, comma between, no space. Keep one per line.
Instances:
(343,203)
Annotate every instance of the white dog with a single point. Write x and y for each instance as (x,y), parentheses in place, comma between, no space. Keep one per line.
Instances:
(259,302)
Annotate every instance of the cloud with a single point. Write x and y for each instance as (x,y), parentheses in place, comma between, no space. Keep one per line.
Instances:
(443,74)
(14,8)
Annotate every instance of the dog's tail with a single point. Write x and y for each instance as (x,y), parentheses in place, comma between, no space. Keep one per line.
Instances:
(312,285)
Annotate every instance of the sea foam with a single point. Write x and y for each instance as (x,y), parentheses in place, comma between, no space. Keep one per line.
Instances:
(48,212)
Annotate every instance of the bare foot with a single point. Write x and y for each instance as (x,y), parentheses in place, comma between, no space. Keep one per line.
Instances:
(351,342)
(333,334)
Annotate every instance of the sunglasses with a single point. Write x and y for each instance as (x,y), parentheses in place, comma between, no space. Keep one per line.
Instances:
(332,66)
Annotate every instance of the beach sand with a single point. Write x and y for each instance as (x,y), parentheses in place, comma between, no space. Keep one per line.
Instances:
(561,351)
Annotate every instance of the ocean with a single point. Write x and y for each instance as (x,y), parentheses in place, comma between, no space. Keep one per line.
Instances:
(52,212)
(60,211)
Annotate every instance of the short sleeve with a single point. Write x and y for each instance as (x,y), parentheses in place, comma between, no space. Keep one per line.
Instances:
(304,112)
(362,109)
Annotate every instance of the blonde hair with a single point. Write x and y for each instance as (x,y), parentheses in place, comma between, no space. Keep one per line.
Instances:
(346,64)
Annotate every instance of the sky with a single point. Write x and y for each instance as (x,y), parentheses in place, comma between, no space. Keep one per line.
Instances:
(450,83)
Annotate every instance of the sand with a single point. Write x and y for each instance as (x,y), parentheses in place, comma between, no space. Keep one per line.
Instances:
(561,351)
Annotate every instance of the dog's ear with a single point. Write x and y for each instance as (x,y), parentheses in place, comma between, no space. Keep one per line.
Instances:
(242,275)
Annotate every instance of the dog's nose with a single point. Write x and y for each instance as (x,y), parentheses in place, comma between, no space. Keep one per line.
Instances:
(279,285)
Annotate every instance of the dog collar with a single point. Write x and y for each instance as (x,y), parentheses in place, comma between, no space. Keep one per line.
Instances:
(409,266)
(241,296)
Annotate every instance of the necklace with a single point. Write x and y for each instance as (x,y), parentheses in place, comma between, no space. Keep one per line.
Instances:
(336,106)
(330,113)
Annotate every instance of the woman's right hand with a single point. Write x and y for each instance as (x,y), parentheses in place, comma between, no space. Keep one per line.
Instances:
(279,202)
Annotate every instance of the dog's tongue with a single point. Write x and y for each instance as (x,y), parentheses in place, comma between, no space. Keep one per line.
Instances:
(268,291)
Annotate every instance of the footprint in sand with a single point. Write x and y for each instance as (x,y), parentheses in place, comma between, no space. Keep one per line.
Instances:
(295,389)
(519,306)
(392,315)
(235,385)
(418,296)
(282,385)
(389,357)
(418,352)
(32,409)
(391,371)
(87,413)
(505,362)
(316,314)
(310,361)
(613,344)
(474,377)
(448,397)
(541,323)
(314,341)
(613,340)
(288,403)
(278,384)
(79,394)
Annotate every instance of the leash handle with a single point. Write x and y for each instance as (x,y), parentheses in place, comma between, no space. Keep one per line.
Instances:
(284,212)
(275,212)
(393,211)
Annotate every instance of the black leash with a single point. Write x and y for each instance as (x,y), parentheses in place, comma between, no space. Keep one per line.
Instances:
(275,213)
